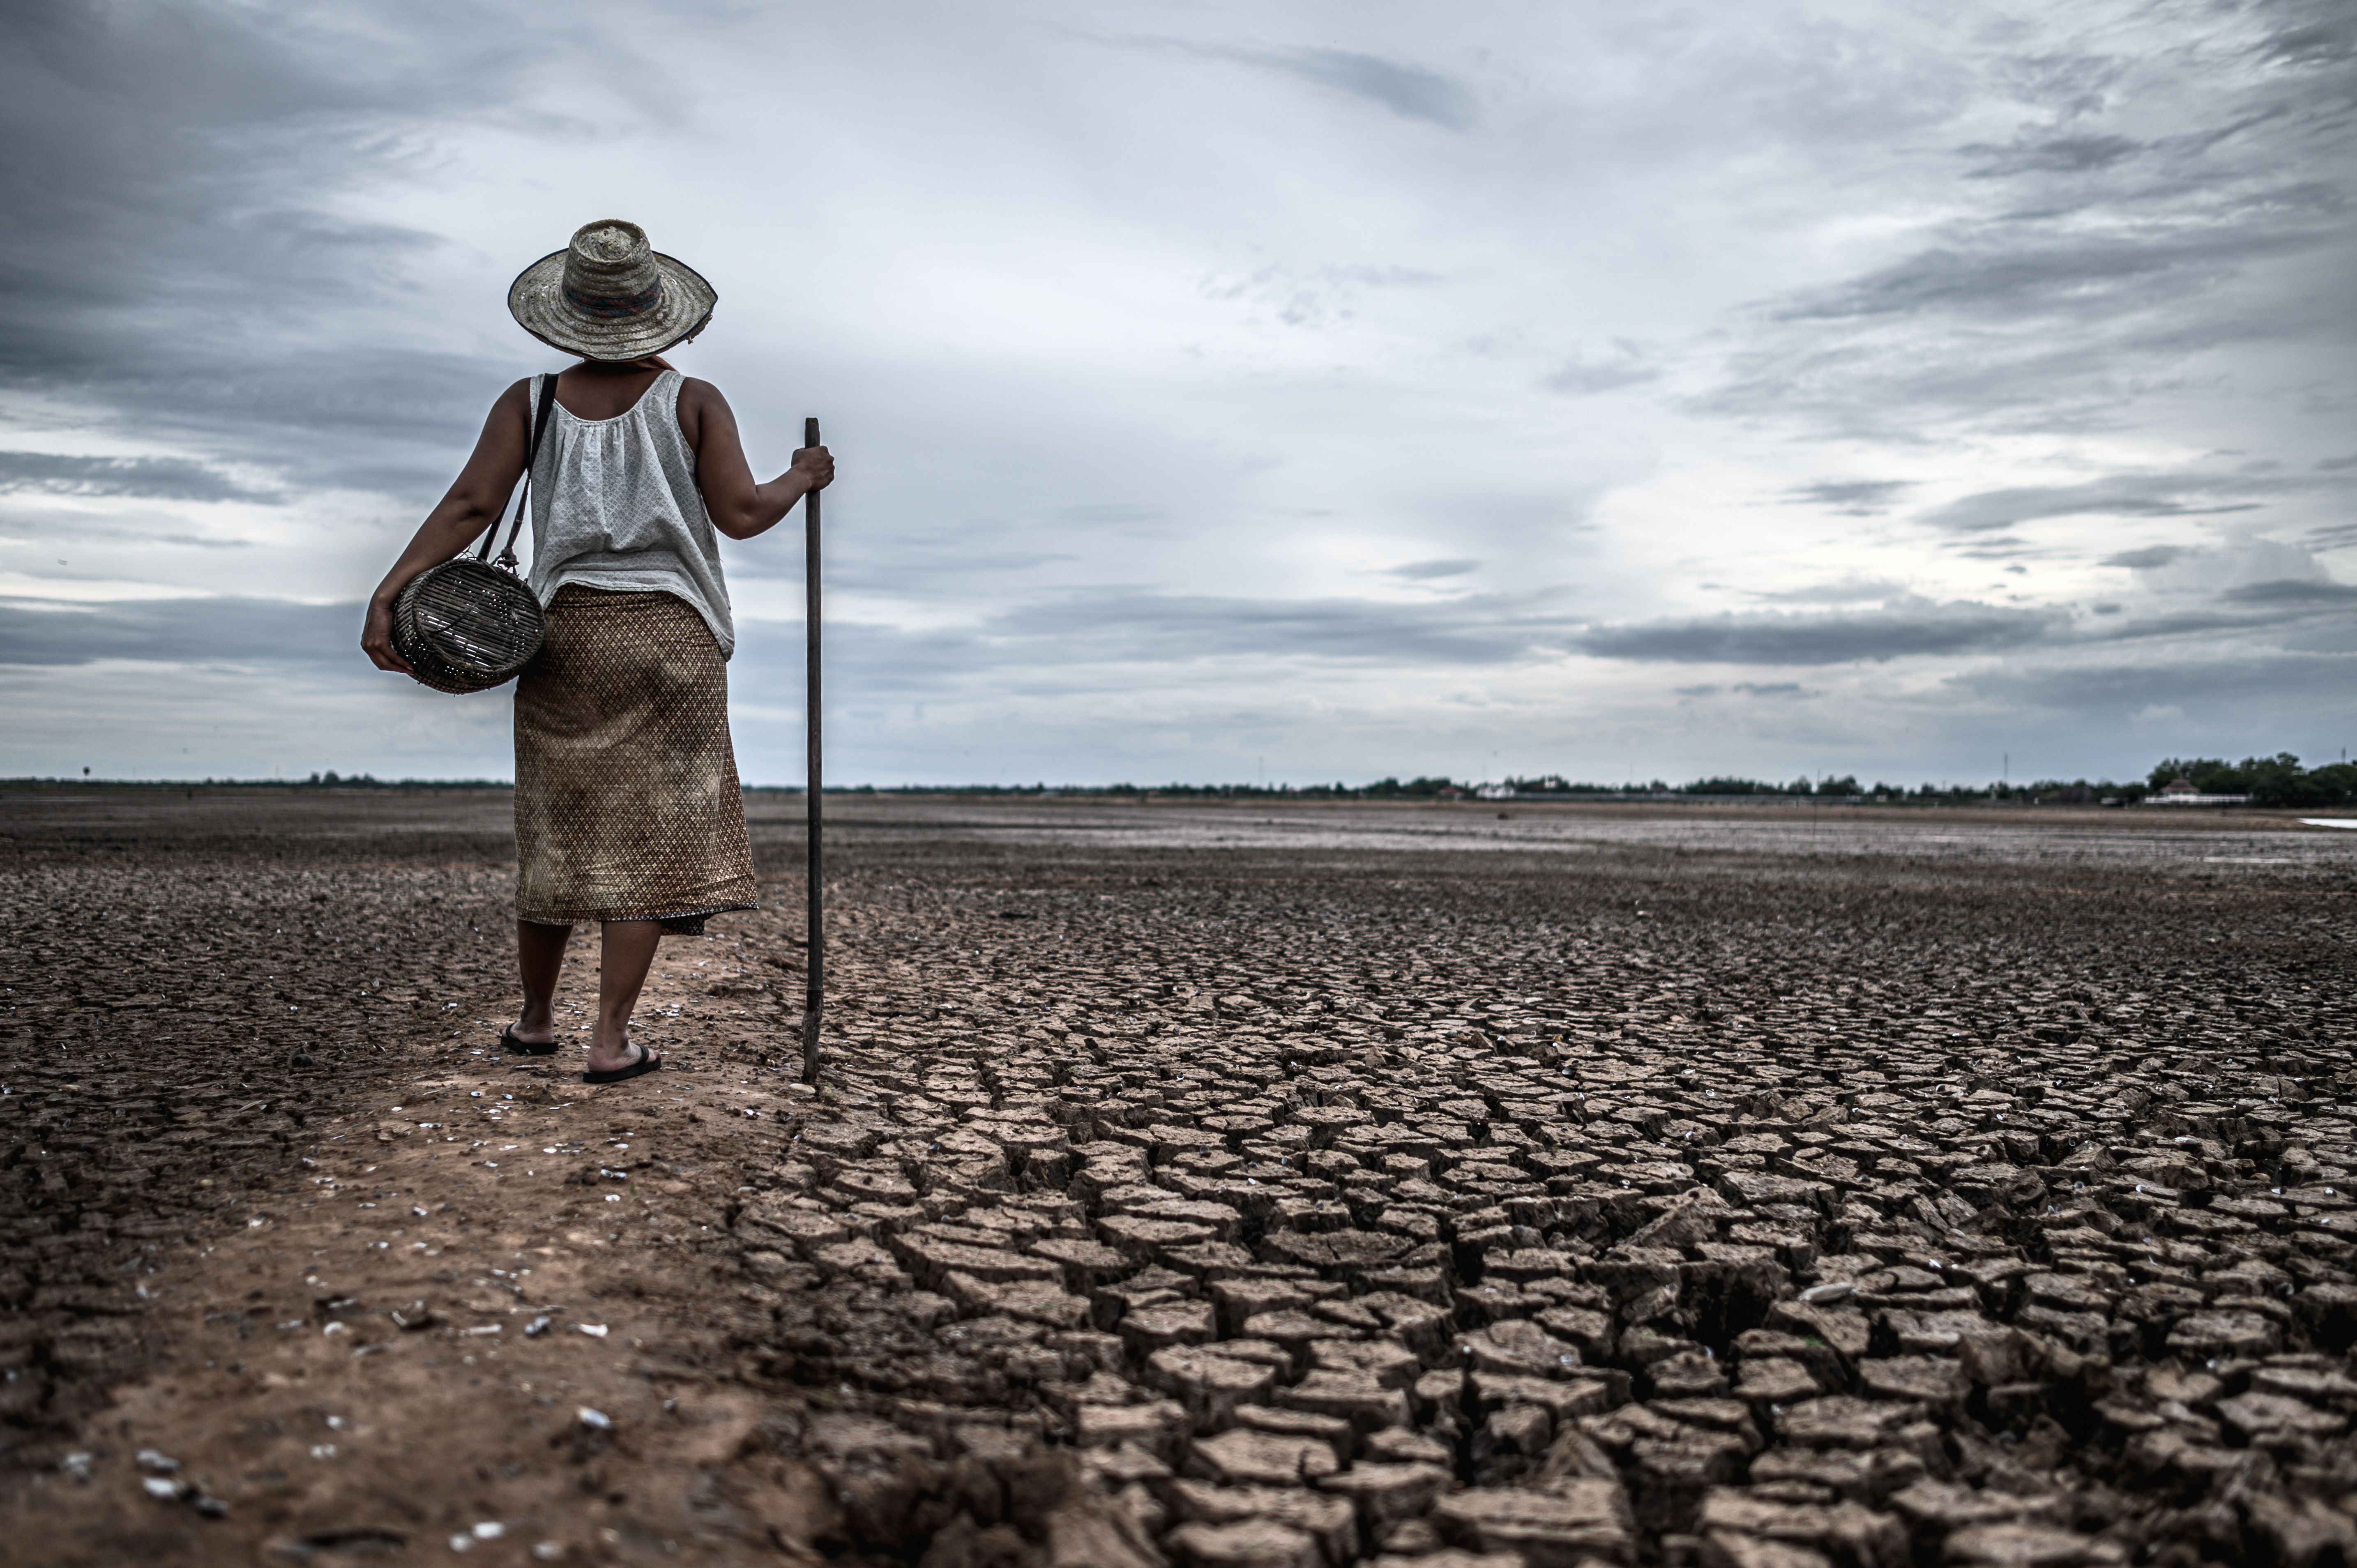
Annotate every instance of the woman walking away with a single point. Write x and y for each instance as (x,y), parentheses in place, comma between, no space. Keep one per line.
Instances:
(626,810)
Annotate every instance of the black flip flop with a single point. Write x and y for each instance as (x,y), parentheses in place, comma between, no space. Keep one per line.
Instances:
(647,1062)
(526,1047)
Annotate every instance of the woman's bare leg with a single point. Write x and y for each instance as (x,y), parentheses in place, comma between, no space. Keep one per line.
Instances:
(539,958)
(629,952)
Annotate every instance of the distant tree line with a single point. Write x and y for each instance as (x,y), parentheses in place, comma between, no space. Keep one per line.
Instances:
(315,781)
(332,780)
(2278,780)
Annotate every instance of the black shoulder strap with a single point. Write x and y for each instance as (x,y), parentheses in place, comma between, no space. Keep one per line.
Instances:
(523,499)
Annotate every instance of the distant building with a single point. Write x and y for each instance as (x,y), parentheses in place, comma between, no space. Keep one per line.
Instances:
(2182,792)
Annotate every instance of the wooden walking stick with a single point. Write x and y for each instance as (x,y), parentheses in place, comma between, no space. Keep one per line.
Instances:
(815,999)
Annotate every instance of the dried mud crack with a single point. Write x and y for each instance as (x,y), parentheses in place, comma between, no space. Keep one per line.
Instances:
(1198,1187)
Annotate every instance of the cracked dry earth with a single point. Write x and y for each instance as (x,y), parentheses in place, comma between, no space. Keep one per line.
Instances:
(1192,1186)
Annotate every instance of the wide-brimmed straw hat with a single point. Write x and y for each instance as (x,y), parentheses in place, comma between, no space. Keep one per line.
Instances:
(609,296)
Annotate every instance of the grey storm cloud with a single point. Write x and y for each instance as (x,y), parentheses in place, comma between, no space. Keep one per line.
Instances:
(2172,625)
(952,566)
(1410,91)
(1853,498)
(1426,571)
(1047,646)
(2293,591)
(1912,626)
(1745,688)
(2331,39)
(2111,273)
(2269,680)
(1578,377)
(2051,155)
(165,478)
(1124,627)
(2122,496)
(181,164)
(185,631)
(2145,560)
(2273,609)
(2158,206)
(1848,591)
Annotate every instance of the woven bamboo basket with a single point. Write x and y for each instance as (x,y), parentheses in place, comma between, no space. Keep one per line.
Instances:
(467,626)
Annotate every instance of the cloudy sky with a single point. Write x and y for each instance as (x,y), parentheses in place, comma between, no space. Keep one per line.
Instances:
(1300,391)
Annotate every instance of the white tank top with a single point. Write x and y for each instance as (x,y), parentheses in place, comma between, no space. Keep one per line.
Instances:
(615,506)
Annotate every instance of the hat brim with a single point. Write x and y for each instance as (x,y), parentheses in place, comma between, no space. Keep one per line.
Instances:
(536,299)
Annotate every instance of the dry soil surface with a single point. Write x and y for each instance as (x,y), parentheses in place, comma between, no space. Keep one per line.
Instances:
(1190,1184)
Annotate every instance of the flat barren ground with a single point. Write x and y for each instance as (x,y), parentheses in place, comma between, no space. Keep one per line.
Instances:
(1193,1185)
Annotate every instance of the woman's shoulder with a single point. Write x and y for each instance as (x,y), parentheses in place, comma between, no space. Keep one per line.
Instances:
(512,409)
(693,399)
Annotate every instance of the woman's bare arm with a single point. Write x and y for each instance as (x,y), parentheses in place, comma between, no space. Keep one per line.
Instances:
(740,508)
(473,504)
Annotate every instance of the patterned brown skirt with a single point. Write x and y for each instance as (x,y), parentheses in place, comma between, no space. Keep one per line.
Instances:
(626,802)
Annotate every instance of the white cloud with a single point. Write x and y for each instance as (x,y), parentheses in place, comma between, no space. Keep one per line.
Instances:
(26,585)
